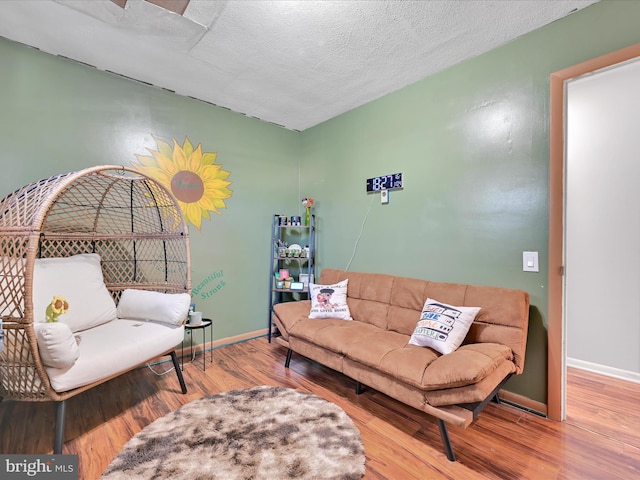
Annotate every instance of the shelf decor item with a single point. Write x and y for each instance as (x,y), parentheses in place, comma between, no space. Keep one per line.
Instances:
(307,203)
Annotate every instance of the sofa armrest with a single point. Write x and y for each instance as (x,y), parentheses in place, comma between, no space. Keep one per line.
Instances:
(287,314)
(468,365)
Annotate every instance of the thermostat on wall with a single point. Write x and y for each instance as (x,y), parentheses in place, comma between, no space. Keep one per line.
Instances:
(392,181)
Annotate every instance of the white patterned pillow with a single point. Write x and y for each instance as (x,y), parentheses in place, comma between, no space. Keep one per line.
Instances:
(329,301)
(442,326)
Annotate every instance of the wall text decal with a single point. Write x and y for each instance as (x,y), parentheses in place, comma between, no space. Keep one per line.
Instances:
(216,281)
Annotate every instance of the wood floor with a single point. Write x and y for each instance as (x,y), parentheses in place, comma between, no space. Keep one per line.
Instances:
(600,439)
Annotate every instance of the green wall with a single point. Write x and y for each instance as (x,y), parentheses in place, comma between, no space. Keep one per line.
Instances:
(472,142)
(57,115)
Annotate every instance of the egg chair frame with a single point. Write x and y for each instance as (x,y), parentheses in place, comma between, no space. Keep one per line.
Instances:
(131,220)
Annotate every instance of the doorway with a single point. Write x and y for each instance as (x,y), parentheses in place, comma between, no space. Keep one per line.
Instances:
(557,327)
(602,224)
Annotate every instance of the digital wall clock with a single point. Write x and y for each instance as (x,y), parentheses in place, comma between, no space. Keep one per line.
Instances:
(385,182)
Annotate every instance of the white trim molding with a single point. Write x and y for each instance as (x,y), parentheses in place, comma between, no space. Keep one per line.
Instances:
(604,370)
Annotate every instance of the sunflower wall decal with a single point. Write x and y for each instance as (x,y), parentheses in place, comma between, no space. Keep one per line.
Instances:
(197,182)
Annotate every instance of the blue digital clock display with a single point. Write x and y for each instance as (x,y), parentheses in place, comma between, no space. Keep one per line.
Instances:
(385,182)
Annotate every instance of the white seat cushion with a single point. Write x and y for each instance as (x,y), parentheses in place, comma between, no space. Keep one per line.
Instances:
(113,348)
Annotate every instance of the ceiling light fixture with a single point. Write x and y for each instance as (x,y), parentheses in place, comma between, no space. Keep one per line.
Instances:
(176,6)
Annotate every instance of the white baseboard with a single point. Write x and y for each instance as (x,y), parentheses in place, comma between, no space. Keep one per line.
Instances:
(604,370)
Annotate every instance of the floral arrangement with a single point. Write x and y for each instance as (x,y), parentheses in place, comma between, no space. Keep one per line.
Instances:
(307,203)
(57,307)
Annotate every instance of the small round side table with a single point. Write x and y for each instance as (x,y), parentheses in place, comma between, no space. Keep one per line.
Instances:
(206,323)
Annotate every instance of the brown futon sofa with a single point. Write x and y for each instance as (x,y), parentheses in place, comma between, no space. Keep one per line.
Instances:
(373,348)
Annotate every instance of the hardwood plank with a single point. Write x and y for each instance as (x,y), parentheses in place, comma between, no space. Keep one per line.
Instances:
(599,440)
(604,405)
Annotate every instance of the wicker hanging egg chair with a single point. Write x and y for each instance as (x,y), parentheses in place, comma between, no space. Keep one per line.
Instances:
(130,220)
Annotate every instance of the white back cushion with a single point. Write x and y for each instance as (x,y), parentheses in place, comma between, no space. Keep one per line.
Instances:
(79,280)
(170,308)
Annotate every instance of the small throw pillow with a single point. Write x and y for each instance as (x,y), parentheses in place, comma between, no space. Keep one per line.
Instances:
(57,345)
(329,301)
(442,326)
(171,308)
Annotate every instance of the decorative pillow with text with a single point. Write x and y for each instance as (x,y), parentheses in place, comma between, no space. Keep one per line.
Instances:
(442,326)
(329,301)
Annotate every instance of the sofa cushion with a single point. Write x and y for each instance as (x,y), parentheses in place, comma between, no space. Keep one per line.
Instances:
(467,365)
(170,308)
(369,311)
(329,301)
(408,293)
(79,280)
(442,326)
(333,334)
(113,348)
(368,294)
(424,368)
(57,346)
(378,349)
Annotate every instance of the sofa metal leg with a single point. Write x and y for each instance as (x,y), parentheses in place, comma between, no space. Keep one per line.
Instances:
(176,366)
(58,438)
(358,388)
(288,360)
(446,442)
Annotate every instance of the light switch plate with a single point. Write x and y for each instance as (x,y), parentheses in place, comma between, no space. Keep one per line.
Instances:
(530,262)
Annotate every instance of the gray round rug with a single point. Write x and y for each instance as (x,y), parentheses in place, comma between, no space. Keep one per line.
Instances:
(264,432)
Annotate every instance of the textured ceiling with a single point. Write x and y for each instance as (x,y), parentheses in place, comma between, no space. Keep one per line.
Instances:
(292,63)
